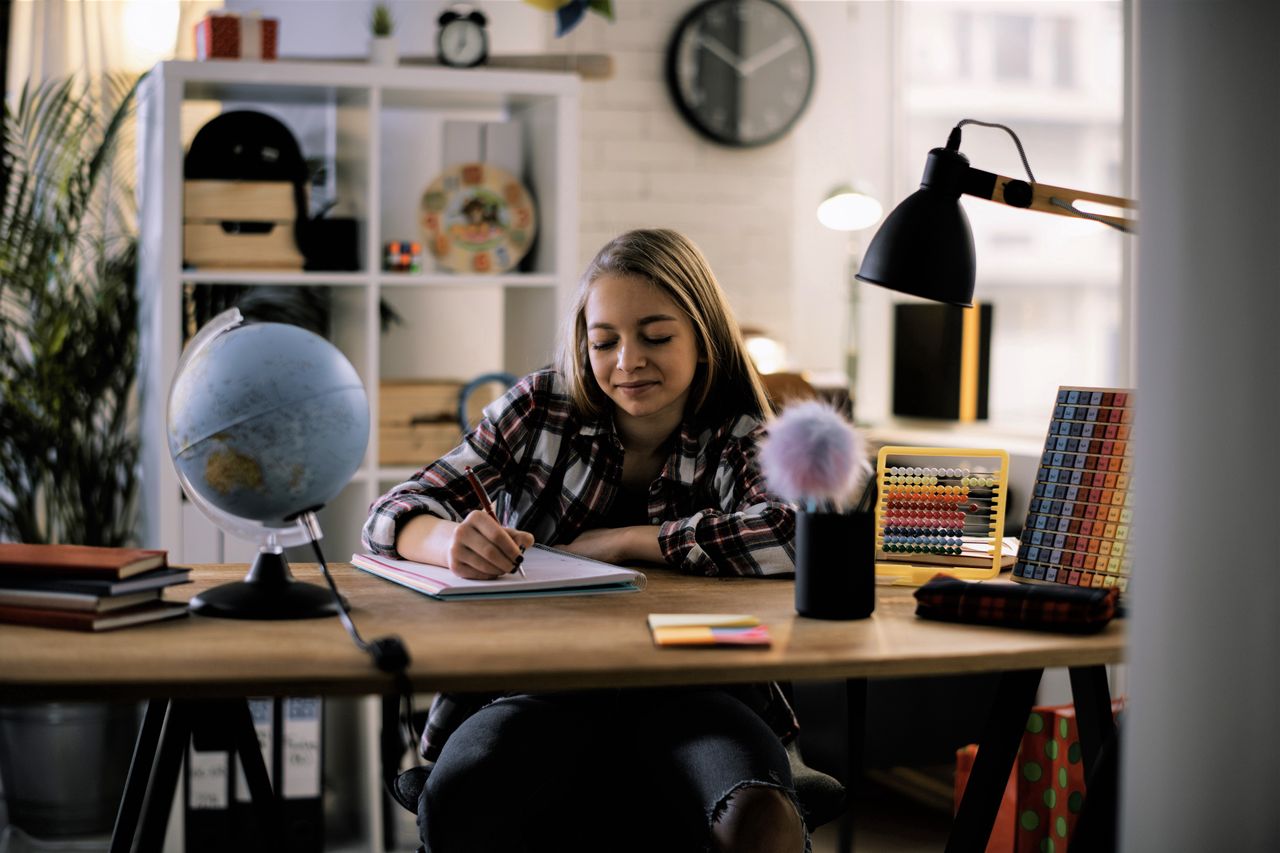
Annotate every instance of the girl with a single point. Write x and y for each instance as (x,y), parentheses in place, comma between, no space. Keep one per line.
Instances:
(638,446)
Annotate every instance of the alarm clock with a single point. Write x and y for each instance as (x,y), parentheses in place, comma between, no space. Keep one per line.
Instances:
(462,41)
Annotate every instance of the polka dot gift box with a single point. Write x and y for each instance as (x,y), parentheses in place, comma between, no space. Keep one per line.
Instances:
(1048,785)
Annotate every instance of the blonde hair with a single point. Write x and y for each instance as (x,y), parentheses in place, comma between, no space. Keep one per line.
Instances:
(726,382)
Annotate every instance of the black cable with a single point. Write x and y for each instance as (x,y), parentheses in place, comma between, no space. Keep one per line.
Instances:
(389,653)
(1016,141)
(1057,202)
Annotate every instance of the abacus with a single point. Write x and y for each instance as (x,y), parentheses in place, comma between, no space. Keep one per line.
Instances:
(1077,530)
(940,510)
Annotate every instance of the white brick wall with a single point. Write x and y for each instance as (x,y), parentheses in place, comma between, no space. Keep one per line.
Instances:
(642,166)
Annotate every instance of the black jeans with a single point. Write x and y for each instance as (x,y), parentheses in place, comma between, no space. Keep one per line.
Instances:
(602,770)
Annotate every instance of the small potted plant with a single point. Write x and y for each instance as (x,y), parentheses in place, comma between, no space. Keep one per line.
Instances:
(382,46)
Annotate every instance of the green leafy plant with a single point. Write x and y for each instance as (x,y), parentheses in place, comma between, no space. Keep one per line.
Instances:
(381,24)
(68,317)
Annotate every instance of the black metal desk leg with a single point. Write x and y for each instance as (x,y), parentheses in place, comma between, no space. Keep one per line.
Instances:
(1092,696)
(855,691)
(266,807)
(1001,736)
(141,769)
(164,779)
(1095,829)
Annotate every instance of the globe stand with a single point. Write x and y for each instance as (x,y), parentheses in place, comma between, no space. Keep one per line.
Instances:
(268,591)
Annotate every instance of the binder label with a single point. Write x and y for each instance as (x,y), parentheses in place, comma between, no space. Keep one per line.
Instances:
(207,785)
(301,753)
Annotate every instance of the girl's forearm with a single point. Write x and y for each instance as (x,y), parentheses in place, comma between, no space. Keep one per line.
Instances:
(642,544)
(426,539)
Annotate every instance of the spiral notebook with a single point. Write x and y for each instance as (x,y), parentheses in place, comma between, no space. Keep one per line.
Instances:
(548,571)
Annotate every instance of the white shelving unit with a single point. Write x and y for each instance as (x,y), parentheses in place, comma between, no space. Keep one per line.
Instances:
(380,132)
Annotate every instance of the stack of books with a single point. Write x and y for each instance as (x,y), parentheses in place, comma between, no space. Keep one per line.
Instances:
(86,588)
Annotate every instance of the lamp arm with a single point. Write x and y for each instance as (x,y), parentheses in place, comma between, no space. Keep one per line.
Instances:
(1045,198)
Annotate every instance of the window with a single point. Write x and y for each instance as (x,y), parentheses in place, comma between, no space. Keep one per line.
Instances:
(1055,283)
(1012,39)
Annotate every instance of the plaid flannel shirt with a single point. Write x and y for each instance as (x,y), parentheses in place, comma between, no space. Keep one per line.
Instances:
(555,475)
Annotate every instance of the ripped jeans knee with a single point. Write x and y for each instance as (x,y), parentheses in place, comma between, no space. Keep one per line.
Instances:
(758,816)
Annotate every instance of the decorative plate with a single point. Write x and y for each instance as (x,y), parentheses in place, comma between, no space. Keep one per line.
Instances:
(478,218)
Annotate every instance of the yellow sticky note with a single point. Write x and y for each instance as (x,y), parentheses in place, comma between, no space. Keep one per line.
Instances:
(704,620)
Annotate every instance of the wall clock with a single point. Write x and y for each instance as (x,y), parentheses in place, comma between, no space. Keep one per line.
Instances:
(478,218)
(740,71)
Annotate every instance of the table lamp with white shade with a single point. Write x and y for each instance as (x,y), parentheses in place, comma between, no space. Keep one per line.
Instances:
(850,207)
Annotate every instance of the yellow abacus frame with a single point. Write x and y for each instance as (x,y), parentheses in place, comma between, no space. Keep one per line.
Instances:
(908,574)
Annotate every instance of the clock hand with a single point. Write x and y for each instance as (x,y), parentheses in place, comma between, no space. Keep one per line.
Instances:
(769,54)
(721,51)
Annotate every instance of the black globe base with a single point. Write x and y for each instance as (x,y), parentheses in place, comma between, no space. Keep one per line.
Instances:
(269,591)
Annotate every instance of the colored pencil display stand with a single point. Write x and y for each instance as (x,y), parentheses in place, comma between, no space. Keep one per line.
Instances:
(1077,529)
(939,509)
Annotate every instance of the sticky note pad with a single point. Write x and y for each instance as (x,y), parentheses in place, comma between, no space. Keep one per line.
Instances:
(707,629)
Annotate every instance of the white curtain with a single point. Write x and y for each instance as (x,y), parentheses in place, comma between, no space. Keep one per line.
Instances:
(55,38)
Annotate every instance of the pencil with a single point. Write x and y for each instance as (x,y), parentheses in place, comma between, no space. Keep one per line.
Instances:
(485,505)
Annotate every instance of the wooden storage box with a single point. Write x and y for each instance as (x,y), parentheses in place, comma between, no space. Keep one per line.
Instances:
(416,445)
(418,419)
(240,225)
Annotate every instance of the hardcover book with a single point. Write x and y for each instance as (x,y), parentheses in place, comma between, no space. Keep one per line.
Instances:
(103,587)
(76,560)
(56,600)
(86,620)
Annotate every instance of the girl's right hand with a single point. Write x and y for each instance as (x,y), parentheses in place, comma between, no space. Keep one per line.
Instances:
(482,549)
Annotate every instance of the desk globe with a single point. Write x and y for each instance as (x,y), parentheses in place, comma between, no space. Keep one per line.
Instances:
(267,422)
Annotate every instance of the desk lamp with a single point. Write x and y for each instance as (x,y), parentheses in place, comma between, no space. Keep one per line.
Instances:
(925,246)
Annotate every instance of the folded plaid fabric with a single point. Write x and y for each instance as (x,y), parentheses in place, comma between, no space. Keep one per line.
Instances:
(1048,608)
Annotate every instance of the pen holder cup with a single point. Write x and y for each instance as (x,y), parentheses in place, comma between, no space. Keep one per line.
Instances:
(835,565)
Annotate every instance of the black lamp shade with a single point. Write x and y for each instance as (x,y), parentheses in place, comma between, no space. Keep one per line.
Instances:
(925,246)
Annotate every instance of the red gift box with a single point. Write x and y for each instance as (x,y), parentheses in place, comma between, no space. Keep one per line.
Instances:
(1045,792)
(221,36)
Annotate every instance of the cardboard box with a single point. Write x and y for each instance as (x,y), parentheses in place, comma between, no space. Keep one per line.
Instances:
(240,225)
(227,36)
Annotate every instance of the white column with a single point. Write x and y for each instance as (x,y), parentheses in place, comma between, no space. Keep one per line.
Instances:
(1201,750)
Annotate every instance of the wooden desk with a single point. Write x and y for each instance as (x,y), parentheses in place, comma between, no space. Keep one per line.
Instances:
(562,643)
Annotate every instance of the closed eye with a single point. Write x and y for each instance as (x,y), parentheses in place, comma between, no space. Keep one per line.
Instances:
(600,346)
(657,341)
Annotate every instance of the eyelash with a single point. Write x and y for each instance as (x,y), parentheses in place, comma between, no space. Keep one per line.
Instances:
(650,341)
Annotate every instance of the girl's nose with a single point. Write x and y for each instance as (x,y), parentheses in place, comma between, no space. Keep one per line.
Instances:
(629,358)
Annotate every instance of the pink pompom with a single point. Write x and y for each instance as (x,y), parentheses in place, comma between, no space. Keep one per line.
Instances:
(811,454)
